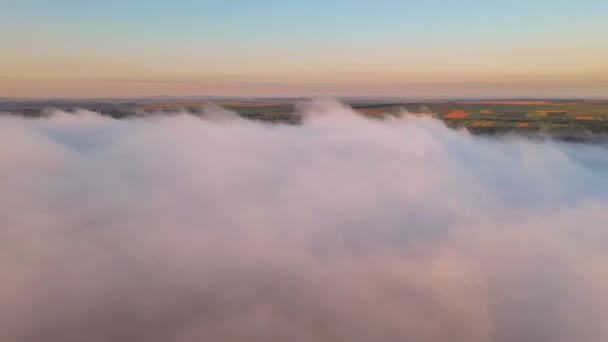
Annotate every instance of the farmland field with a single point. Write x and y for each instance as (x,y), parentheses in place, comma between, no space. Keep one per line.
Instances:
(481,117)
(562,118)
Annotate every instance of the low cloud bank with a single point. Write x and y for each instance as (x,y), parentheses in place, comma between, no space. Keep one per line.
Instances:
(343,228)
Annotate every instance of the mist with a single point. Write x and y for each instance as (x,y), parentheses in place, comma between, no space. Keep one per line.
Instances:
(188,228)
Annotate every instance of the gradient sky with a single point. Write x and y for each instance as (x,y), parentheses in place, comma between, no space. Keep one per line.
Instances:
(433,48)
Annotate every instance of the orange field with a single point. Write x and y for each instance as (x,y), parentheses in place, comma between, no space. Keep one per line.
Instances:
(506,102)
(486,111)
(457,114)
(482,123)
(586,117)
(523,124)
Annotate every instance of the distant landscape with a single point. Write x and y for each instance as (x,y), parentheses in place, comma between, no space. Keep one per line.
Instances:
(566,119)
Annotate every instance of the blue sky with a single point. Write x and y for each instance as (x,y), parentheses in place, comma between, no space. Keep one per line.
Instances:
(341,45)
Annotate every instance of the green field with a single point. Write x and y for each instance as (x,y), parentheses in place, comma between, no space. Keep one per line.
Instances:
(567,119)
(561,117)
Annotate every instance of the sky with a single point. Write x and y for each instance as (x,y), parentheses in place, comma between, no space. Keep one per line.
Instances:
(417,49)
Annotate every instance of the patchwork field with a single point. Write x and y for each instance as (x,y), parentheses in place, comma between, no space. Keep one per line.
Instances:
(558,117)
(567,119)
(482,117)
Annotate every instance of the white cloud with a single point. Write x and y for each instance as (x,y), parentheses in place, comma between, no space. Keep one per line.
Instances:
(341,229)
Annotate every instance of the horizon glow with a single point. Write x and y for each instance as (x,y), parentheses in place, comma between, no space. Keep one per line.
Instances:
(434,49)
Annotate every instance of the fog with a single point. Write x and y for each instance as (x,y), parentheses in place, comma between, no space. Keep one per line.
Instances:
(214,228)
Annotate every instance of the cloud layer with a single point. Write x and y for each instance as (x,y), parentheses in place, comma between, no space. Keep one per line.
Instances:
(183,228)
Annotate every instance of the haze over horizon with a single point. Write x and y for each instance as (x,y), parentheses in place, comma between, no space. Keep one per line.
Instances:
(431,49)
